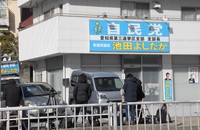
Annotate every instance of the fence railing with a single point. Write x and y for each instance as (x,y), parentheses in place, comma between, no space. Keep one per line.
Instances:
(108,116)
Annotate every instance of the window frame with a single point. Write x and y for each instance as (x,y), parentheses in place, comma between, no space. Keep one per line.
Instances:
(49,13)
(195,13)
(135,9)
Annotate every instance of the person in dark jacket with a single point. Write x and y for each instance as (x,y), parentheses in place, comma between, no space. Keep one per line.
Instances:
(140,93)
(12,94)
(140,97)
(130,91)
(82,92)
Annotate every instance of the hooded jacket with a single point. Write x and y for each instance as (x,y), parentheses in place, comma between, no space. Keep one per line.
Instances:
(130,90)
(12,94)
(82,90)
(140,93)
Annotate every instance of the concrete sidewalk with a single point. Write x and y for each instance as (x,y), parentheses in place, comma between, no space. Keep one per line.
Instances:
(180,124)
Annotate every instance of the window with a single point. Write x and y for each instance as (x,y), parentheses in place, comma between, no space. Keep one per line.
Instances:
(151,59)
(3,4)
(35,90)
(132,59)
(108,84)
(89,81)
(3,13)
(74,80)
(137,10)
(38,76)
(55,79)
(190,14)
(61,8)
(151,83)
(145,59)
(48,14)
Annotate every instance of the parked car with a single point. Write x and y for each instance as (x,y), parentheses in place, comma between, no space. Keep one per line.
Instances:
(43,94)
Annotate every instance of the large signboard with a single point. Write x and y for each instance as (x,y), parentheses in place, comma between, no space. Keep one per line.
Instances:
(126,36)
(9,68)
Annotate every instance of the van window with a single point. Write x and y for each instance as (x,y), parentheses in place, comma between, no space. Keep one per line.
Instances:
(89,81)
(108,84)
(118,83)
(74,80)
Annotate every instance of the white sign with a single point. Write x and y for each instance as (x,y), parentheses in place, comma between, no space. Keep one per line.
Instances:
(151,89)
(192,75)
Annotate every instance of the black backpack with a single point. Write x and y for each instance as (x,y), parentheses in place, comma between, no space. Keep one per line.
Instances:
(163,115)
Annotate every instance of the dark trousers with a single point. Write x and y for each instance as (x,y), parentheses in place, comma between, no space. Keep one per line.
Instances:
(79,108)
(131,112)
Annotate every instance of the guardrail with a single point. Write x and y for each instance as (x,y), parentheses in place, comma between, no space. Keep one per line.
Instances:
(108,116)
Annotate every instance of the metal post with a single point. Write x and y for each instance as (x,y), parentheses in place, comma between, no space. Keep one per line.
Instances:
(0,76)
(8,120)
(115,116)
(1,113)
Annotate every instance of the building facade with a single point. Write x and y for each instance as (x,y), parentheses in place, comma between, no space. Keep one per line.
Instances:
(4,22)
(9,16)
(10,21)
(156,41)
(14,16)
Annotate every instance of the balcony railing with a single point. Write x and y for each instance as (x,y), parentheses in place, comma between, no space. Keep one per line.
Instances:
(29,22)
(26,23)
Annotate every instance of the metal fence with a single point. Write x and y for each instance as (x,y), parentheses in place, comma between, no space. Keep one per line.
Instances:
(108,116)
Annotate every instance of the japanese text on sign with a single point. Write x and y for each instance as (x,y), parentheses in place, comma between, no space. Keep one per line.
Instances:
(123,36)
(9,68)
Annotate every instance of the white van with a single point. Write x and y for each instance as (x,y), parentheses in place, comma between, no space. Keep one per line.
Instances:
(105,86)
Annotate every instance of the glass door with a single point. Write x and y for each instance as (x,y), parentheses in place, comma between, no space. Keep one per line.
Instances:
(151,85)
(150,77)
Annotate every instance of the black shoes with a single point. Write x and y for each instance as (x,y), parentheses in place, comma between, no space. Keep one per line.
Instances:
(132,122)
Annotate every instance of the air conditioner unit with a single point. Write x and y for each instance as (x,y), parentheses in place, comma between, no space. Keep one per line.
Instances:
(157,5)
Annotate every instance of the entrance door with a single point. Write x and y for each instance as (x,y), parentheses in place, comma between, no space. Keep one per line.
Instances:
(150,81)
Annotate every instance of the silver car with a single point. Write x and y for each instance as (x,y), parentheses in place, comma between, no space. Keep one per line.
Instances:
(43,94)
